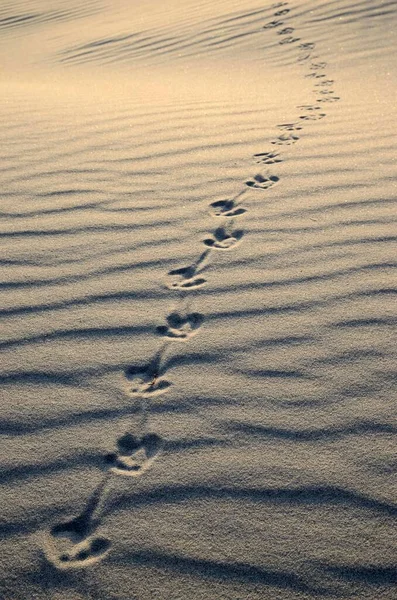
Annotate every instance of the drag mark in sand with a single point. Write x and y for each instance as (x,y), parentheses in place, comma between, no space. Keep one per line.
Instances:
(74,543)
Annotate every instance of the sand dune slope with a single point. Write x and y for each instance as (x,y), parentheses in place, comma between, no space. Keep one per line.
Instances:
(198,252)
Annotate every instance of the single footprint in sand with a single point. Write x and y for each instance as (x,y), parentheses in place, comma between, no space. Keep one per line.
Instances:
(303,58)
(289,40)
(134,455)
(145,381)
(261,182)
(226,208)
(309,107)
(286,31)
(289,127)
(325,83)
(223,240)
(307,46)
(328,99)
(281,13)
(286,139)
(85,554)
(313,117)
(189,277)
(72,543)
(316,75)
(318,65)
(180,327)
(272,24)
(268,158)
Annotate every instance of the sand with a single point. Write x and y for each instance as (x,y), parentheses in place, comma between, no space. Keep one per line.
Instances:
(198,244)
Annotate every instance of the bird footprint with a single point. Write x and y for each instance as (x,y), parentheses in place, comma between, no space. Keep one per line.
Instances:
(268,158)
(134,455)
(85,553)
(286,139)
(261,182)
(272,24)
(223,240)
(181,328)
(72,543)
(189,276)
(226,208)
(289,127)
(145,382)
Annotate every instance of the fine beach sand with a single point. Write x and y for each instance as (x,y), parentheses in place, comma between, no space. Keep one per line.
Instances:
(198,300)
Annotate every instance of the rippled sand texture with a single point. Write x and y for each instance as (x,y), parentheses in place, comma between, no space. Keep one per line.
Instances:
(198,242)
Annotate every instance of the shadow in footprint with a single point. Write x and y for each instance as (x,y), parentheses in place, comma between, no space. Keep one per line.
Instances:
(223,240)
(145,380)
(134,455)
(226,208)
(181,327)
(188,277)
(268,158)
(71,543)
(261,182)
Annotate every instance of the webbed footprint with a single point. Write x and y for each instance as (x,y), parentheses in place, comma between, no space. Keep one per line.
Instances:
(226,208)
(180,327)
(134,455)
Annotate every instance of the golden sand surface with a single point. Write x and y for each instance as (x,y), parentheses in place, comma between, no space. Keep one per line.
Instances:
(198,300)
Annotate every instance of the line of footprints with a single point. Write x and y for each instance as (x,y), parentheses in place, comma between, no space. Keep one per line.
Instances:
(75,543)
